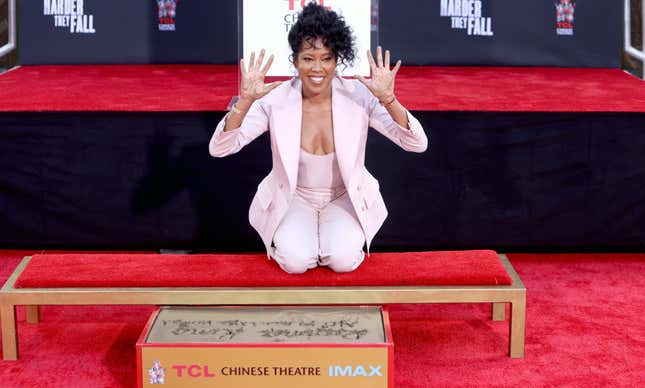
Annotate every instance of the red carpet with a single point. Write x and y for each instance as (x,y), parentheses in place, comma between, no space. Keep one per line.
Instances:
(584,329)
(240,270)
(210,88)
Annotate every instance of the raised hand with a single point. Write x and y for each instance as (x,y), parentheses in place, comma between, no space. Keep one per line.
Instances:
(252,85)
(382,83)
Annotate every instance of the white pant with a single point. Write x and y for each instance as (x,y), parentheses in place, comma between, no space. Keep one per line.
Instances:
(307,237)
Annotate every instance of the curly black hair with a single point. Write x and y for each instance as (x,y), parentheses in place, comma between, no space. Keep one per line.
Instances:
(316,21)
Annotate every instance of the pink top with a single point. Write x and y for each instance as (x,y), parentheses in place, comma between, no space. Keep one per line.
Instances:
(319,179)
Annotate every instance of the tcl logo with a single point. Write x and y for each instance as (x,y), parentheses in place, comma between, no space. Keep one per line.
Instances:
(193,371)
(302,3)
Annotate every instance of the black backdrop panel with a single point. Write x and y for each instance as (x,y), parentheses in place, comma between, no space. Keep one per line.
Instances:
(498,180)
(523,33)
(127,31)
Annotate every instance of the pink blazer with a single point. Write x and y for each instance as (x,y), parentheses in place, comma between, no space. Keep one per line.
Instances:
(354,109)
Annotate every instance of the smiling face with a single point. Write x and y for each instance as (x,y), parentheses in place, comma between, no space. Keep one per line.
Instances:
(316,65)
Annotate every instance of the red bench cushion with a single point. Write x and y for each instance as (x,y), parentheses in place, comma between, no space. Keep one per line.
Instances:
(477,267)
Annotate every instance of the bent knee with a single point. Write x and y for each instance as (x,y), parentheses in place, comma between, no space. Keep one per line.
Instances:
(294,255)
(345,262)
(293,261)
(293,266)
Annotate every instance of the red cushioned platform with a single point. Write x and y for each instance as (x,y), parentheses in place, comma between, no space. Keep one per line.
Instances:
(481,267)
(154,88)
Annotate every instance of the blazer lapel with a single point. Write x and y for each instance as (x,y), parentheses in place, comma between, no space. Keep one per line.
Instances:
(347,121)
(287,126)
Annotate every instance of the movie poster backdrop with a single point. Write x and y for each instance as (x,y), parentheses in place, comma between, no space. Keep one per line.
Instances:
(127,31)
(575,33)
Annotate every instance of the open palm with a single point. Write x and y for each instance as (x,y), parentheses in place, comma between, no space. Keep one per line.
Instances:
(252,85)
(382,82)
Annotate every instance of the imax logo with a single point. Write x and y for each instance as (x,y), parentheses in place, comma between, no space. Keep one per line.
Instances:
(354,371)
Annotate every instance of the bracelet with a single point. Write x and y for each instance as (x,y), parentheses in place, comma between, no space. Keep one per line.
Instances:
(235,110)
(386,104)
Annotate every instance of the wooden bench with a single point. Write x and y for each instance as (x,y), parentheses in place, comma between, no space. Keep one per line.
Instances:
(322,287)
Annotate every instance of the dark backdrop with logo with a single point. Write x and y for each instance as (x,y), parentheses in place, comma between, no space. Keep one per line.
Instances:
(497,180)
(524,33)
(127,31)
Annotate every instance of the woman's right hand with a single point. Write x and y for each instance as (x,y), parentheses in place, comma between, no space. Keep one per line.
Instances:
(252,85)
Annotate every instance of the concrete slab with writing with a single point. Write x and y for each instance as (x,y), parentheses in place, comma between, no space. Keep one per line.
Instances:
(267,324)
(318,346)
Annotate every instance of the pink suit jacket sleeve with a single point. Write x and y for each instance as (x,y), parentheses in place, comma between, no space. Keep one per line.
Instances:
(413,139)
(255,123)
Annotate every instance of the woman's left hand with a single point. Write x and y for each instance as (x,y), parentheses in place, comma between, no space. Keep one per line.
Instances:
(382,83)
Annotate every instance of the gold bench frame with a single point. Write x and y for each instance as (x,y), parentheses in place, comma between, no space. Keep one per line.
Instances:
(31,298)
